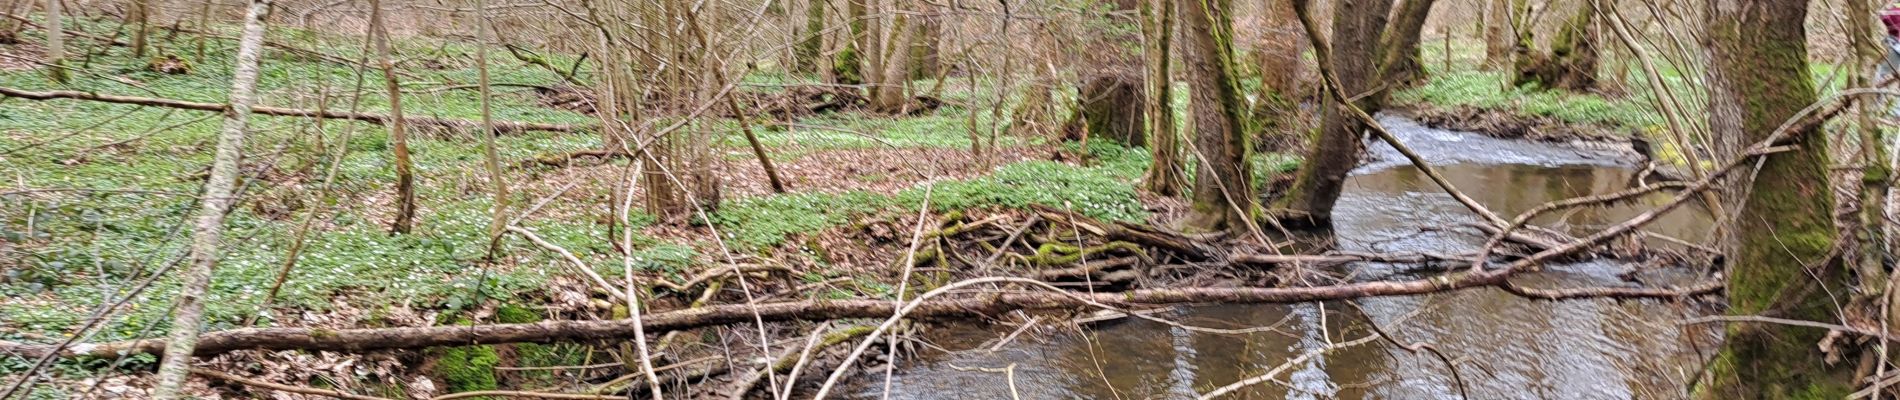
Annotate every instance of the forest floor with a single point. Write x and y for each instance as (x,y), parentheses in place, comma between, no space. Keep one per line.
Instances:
(95,195)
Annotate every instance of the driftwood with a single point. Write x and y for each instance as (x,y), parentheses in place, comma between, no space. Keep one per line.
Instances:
(457,124)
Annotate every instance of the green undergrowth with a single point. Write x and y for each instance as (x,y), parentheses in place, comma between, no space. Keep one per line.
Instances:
(1488,90)
(1103,189)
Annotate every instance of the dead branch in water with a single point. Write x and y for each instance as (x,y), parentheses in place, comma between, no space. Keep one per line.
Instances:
(445,123)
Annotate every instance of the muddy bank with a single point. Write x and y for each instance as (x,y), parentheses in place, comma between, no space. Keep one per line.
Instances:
(1508,125)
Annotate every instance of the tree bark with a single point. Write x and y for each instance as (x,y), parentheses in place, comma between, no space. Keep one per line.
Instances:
(1165,176)
(55,42)
(139,16)
(1402,65)
(207,231)
(1499,35)
(1113,107)
(887,94)
(1357,27)
(1782,262)
(1224,199)
(405,218)
(849,68)
(1572,61)
(926,47)
(811,45)
(1279,53)
(498,182)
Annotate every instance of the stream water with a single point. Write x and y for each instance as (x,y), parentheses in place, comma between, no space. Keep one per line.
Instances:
(1506,347)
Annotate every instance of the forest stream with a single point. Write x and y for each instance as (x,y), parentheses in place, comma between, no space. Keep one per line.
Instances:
(1504,346)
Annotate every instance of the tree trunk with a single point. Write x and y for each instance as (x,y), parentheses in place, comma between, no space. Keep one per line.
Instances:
(1402,64)
(1499,35)
(926,46)
(1572,61)
(498,182)
(811,45)
(1224,199)
(1280,49)
(1113,107)
(139,16)
(55,42)
(1782,265)
(1357,25)
(887,94)
(398,129)
(849,67)
(1165,176)
(207,232)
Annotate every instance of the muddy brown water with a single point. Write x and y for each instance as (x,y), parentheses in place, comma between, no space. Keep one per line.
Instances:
(1506,347)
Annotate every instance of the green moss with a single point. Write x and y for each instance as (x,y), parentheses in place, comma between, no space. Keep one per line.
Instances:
(516,314)
(467,368)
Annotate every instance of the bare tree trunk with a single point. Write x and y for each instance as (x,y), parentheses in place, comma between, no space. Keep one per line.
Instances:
(1499,36)
(1572,61)
(1280,49)
(1783,263)
(811,43)
(1356,30)
(887,94)
(498,215)
(1224,199)
(55,42)
(1401,64)
(208,230)
(398,129)
(926,47)
(139,17)
(1165,176)
(849,68)
(10,28)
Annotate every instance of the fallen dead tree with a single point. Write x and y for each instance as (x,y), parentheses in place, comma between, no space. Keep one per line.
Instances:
(979,306)
(444,123)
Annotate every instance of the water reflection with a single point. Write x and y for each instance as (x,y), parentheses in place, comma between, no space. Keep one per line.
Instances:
(1511,348)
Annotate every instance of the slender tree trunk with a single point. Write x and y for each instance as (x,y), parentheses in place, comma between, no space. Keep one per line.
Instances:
(204,25)
(139,17)
(1402,63)
(811,43)
(398,129)
(1499,36)
(498,215)
(1357,25)
(1224,199)
(1165,176)
(207,232)
(10,28)
(55,42)
(1782,264)
(1112,103)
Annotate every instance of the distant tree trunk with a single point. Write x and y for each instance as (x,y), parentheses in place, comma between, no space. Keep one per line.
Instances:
(207,232)
(1280,49)
(55,42)
(1572,61)
(811,43)
(398,129)
(491,158)
(1402,63)
(10,28)
(1224,199)
(139,17)
(1500,38)
(1783,263)
(849,68)
(1165,176)
(1357,25)
(1112,105)
(887,94)
(926,45)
